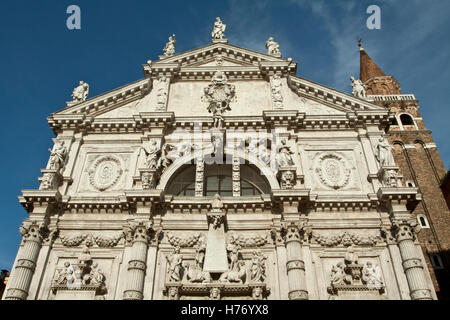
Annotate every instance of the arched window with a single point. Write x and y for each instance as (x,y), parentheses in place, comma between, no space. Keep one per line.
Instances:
(436,261)
(218,180)
(423,221)
(406,120)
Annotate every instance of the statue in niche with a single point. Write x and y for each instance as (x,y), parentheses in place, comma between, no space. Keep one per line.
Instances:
(58,156)
(219,94)
(384,153)
(219,29)
(258,267)
(358,88)
(273,48)
(169,48)
(284,157)
(175,260)
(152,155)
(81,92)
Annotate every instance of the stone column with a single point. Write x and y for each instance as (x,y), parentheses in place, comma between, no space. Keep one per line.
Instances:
(138,235)
(403,228)
(33,234)
(295,265)
(412,264)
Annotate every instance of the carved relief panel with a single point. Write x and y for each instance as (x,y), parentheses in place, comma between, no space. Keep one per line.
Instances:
(103,171)
(331,168)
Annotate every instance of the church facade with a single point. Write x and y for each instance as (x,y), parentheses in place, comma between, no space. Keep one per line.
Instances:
(222,175)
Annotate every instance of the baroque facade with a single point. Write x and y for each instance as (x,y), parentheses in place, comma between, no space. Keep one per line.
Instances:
(221,175)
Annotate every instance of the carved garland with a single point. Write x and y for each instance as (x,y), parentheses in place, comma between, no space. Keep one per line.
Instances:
(184,242)
(346,239)
(105,172)
(333,171)
(77,239)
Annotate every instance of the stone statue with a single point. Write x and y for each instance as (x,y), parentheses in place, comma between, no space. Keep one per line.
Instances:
(169,49)
(195,273)
(175,260)
(273,48)
(152,155)
(258,268)
(338,275)
(237,270)
(358,88)
(384,153)
(284,158)
(219,29)
(58,156)
(217,143)
(372,276)
(81,92)
(217,203)
(350,256)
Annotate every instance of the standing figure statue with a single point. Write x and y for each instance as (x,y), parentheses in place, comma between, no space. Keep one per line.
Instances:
(81,92)
(258,268)
(284,157)
(152,155)
(273,48)
(58,156)
(175,260)
(169,49)
(219,29)
(358,88)
(372,276)
(384,153)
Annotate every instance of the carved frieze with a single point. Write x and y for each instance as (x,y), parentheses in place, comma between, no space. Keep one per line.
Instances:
(346,239)
(103,241)
(249,240)
(277,98)
(186,241)
(105,172)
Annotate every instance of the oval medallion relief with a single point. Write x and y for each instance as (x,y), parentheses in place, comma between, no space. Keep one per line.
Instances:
(105,172)
(332,170)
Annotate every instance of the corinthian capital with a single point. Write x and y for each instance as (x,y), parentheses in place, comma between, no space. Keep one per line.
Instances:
(405,229)
(34,231)
(138,231)
(298,231)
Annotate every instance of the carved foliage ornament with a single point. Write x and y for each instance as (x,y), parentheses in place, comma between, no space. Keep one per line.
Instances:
(103,241)
(249,241)
(105,172)
(184,241)
(346,239)
(333,170)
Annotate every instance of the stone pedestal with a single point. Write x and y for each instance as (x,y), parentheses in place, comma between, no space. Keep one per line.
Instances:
(287,177)
(389,177)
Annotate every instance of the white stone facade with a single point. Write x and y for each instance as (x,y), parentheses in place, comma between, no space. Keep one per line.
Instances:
(305,211)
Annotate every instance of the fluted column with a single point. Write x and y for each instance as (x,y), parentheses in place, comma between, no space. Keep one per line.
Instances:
(139,235)
(295,265)
(412,264)
(33,234)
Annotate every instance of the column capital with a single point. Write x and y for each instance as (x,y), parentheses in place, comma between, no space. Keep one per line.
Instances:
(32,230)
(139,231)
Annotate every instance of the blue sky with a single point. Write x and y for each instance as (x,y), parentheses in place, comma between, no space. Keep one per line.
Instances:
(42,61)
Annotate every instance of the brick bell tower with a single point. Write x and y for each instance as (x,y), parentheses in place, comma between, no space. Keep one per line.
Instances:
(420,164)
